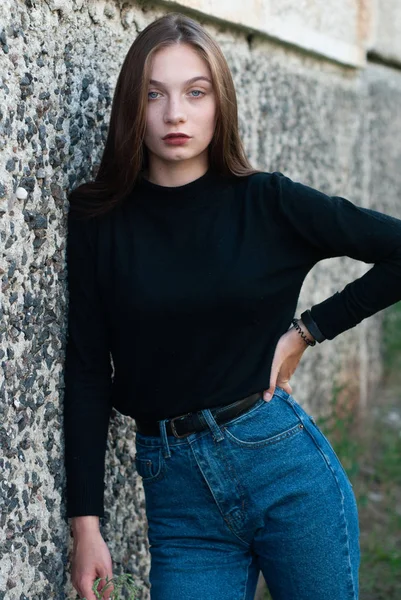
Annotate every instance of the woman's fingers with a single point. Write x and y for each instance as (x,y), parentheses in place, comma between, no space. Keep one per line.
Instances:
(286,357)
(84,588)
(268,394)
(282,368)
(275,368)
(285,386)
(106,586)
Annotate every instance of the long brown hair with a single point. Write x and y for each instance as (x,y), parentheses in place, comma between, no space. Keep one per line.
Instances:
(125,155)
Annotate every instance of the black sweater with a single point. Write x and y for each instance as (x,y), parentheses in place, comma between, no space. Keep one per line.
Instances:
(188,290)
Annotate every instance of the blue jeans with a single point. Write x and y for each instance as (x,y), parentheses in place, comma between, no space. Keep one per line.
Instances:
(262,492)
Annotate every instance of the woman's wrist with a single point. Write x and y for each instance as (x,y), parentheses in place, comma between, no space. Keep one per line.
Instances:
(306,330)
(84,524)
(312,326)
(303,333)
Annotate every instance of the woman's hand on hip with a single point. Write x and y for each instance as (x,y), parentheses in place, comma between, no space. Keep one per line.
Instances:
(287,355)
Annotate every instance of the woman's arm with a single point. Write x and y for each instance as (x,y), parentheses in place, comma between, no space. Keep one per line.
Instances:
(87,377)
(333,226)
(325,227)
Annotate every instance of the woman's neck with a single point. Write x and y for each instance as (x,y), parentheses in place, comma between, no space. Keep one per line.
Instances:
(172,176)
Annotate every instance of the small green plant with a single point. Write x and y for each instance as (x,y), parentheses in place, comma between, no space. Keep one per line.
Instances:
(119,583)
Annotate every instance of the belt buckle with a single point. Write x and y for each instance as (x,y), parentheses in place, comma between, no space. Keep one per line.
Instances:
(173,429)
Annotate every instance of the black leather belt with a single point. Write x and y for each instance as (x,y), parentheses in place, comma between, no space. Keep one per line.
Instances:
(191,422)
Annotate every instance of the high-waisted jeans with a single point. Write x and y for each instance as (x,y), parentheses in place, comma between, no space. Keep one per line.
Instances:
(262,492)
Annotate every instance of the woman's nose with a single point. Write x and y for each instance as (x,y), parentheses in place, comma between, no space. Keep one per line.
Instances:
(174,112)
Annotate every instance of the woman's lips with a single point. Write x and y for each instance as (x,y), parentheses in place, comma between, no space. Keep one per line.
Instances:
(176,140)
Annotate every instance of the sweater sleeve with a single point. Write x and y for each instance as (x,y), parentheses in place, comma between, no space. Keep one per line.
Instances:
(87,376)
(334,226)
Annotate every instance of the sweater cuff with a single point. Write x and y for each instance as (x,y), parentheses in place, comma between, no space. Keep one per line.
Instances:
(332,317)
(85,497)
(312,327)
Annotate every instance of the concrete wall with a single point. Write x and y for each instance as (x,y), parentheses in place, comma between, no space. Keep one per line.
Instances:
(337,31)
(386,31)
(319,112)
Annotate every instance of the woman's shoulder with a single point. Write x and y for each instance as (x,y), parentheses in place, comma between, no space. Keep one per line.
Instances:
(259,176)
(261,181)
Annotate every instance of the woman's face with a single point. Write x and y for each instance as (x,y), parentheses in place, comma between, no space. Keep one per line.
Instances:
(178,105)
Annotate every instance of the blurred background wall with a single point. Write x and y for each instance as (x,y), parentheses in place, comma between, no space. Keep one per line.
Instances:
(319,92)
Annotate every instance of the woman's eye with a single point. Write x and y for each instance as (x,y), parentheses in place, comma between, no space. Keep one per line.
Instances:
(199,91)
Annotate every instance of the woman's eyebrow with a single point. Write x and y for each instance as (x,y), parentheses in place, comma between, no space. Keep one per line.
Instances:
(196,78)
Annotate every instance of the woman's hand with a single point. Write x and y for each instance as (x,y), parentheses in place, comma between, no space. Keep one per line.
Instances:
(90,560)
(287,355)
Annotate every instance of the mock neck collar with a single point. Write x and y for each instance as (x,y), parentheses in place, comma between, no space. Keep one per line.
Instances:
(200,191)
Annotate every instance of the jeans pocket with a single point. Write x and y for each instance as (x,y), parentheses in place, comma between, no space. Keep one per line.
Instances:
(320,440)
(149,463)
(272,422)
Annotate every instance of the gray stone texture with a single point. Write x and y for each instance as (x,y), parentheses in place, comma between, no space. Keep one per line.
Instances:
(338,23)
(386,30)
(329,126)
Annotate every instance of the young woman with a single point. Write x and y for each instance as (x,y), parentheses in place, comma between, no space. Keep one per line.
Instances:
(183,285)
